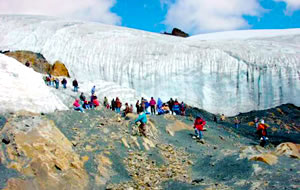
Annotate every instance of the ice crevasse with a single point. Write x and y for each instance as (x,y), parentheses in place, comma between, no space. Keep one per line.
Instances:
(243,71)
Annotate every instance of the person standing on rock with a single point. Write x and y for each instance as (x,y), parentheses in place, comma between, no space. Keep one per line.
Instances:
(126,110)
(171,104)
(82,97)
(152,105)
(199,126)
(64,83)
(236,123)
(143,121)
(56,83)
(113,104)
(137,105)
(75,85)
(105,101)
(118,105)
(93,90)
(262,133)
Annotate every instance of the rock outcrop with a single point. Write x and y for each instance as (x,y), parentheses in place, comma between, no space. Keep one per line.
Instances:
(42,154)
(59,69)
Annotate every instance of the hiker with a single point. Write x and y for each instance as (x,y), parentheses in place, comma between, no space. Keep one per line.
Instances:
(262,133)
(27,64)
(105,101)
(143,106)
(118,105)
(93,90)
(176,107)
(165,108)
(56,83)
(143,120)
(182,108)
(159,105)
(236,123)
(52,81)
(126,110)
(48,79)
(64,83)
(131,108)
(75,85)
(147,105)
(215,119)
(95,102)
(222,118)
(198,126)
(113,104)
(77,106)
(82,97)
(152,105)
(94,97)
(256,122)
(171,103)
(137,105)
(86,105)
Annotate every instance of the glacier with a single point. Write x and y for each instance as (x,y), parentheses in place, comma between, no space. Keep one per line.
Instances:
(229,72)
(23,89)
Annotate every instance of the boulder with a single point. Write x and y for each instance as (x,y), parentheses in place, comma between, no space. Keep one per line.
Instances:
(267,158)
(59,69)
(288,149)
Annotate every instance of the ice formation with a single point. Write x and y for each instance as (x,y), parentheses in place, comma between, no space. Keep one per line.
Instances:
(227,73)
(24,89)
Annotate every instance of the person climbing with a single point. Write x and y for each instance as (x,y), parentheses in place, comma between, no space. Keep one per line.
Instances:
(171,104)
(236,123)
(105,101)
(113,104)
(93,90)
(137,105)
(75,85)
(199,126)
(56,83)
(126,110)
(86,105)
(262,133)
(152,105)
(77,106)
(64,83)
(82,97)
(222,118)
(176,107)
(143,120)
(118,105)
(182,108)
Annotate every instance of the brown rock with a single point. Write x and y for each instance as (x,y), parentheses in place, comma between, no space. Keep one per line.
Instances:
(267,158)
(59,69)
(288,149)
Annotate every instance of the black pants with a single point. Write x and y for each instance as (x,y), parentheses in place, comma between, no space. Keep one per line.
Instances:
(152,109)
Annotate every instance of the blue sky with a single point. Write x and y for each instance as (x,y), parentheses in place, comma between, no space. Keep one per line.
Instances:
(192,16)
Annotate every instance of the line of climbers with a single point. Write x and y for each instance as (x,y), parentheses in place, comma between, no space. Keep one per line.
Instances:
(159,108)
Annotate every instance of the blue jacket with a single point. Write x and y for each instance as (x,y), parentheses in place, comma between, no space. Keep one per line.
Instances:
(142,118)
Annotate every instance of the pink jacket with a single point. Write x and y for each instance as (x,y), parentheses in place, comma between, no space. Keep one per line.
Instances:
(76,104)
(152,102)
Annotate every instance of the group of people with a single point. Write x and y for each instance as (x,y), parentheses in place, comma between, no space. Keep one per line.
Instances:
(156,107)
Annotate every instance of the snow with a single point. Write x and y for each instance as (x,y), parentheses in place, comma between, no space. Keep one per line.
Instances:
(243,71)
(24,89)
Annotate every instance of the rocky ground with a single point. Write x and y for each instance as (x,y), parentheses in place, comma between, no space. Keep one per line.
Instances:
(100,150)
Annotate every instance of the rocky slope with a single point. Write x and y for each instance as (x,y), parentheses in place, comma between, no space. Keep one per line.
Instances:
(100,150)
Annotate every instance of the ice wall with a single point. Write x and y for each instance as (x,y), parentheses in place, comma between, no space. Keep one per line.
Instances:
(24,89)
(220,76)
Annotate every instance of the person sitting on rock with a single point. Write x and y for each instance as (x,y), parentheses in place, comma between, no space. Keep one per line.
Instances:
(166,108)
(75,85)
(199,126)
(126,110)
(159,106)
(86,105)
(77,106)
(143,121)
(262,133)
(95,102)
(131,108)
(64,83)
(222,117)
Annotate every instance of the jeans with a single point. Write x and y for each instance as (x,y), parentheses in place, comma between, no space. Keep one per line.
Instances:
(236,125)
(56,86)
(78,109)
(153,110)
(198,133)
(65,86)
(118,110)
(75,88)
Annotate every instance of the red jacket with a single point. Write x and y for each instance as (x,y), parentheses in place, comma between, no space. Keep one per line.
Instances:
(96,102)
(118,103)
(262,128)
(199,124)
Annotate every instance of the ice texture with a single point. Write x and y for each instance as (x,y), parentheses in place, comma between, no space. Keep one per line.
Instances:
(229,72)
(24,89)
